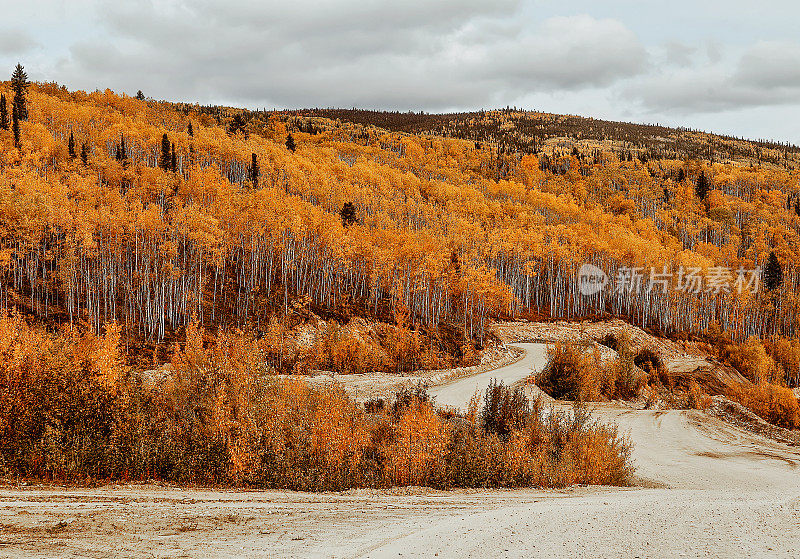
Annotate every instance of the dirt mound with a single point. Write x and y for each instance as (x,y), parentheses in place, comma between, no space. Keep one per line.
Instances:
(684,361)
(740,416)
(712,376)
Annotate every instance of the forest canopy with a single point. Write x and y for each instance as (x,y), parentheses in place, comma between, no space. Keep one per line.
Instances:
(118,209)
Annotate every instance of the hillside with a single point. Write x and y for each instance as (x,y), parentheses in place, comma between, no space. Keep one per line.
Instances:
(531,132)
(166,220)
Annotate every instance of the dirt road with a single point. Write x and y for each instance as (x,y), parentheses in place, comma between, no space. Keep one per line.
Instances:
(458,393)
(708,490)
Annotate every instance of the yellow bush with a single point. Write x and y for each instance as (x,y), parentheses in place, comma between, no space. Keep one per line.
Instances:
(751,360)
(71,410)
(696,398)
(575,373)
(775,404)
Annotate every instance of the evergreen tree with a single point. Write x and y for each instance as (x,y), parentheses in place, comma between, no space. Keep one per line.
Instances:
(84,154)
(348,214)
(681,175)
(121,153)
(237,124)
(3,113)
(165,159)
(191,130)
(773,272)
(290,143)
(71,146)
(19,84)
(254,171)
(15,127)
(140,95)
(701,188)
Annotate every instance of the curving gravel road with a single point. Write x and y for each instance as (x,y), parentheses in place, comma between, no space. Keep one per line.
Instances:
(457,393)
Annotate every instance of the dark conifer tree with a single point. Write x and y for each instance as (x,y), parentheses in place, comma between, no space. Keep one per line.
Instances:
(348,214)
(3,113)
(140,95)
(681,175)
(290,143)
(19,84)
(254,171)
(191,130)
(773,272)
(165,159)
(71,146)
(237,124)
(15,127)
(701,188)
(84,154)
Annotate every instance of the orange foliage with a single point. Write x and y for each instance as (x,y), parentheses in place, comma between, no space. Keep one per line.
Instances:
(775,404)
(215,415)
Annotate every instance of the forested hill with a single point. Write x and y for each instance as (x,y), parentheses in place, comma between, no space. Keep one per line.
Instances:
(114,208)
(532,132)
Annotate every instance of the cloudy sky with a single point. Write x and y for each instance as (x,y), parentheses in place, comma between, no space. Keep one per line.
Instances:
(722,65)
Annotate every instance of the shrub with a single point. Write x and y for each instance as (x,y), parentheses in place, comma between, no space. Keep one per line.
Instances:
(70,410)
(786,354)
(388,348)
(575,373)
(59,395)
(649,362)
(504,410)
(696,398)
(751,360)
(774,404)
(406,396)
(610,341)
(568,373)
(375,405)
(342,350)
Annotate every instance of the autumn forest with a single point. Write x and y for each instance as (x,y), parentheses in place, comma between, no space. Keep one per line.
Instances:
(135,232)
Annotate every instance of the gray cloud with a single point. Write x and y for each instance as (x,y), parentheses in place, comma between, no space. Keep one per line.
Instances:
(770,65)
(15,41)
(766,74)
(414,54)
(679,54)
(565,53)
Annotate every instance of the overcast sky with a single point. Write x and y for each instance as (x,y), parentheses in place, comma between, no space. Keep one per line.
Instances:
(726,66)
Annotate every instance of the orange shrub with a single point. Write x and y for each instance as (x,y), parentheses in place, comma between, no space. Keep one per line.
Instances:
(751,359)
(575,373)
(696,398)
(71,410)
(775,404)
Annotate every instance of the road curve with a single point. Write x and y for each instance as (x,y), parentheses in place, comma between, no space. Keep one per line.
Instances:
(457,393)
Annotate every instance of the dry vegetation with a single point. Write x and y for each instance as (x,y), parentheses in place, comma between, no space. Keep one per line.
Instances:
(575,372)
(768,367)
(70,410)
